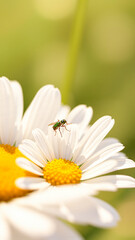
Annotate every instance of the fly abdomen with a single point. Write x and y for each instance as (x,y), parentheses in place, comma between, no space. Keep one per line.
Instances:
(56,125)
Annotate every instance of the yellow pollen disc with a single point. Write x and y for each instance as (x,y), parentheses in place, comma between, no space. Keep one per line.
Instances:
(61,171)
(9,172)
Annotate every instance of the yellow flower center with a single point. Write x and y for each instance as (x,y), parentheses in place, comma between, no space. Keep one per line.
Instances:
(61,171)
(9,172)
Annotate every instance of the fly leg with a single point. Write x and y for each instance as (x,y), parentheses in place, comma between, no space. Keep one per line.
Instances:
(65,128)
(55,132)
(60,132)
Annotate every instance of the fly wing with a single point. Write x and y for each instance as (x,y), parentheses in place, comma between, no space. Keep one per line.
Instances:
(52,124)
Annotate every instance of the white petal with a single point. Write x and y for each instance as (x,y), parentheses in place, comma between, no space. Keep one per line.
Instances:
(94,136)
(121,154)
(63,231)
(31,151)
(100,186)
(105,143)
(80,160)
(63,144)
(11,106)
(18,96)
(91,211)
(42,110)
(43,144)
(61,194)
(70,138)
(102,155)
(28,221)
(31,183)
(80,115)
(120,181)
(100,169)
(19,136)
(113,164)
(63,112)
(29,166)
(58,141)
(124,163)
(4,229)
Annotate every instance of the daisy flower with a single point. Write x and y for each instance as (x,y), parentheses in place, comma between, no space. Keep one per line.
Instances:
(14,128)
(66,160)
(17,219)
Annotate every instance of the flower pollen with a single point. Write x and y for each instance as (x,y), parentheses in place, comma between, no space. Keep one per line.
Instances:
(9,172)
(61,171)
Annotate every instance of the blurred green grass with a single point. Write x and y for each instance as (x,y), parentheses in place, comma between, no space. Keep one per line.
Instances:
(34,44)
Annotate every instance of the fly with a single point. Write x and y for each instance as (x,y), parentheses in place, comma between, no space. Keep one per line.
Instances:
(57,125)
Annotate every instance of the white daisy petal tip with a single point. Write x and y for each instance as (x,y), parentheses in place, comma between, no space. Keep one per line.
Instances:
(31,183)
(93,212)
(44,101)
(112,121)
(103,186)
(29,166)
(81,115)
(123,181)
(3,79)
(20,183)
(37,131)
(90,109)
(107,117)
(19,160)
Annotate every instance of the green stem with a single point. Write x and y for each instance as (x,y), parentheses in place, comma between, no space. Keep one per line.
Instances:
(74,47)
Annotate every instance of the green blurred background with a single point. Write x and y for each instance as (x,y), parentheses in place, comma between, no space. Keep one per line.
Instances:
(35,40)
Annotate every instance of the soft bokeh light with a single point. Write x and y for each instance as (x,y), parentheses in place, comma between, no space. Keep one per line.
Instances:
(54,10)
(113,37)
(47,68)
